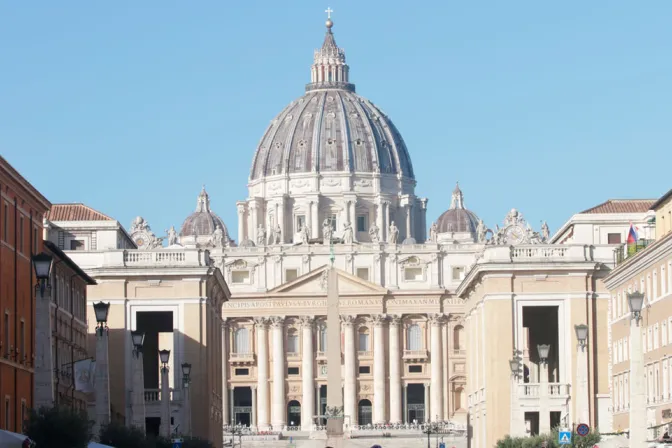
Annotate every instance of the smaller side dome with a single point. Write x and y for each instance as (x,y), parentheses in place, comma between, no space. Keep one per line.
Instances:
(202,223)
(457,219)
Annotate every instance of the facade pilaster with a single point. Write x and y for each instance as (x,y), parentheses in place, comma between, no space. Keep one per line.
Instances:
(379,368)
(315,218)
(350,380)
(263,402)
(281,219)
(427,407)
(395,370)
(242,225)
(225,371)
(278,399)
(253,421)
(423,220)
(308,386)
(436,322)
(409,221)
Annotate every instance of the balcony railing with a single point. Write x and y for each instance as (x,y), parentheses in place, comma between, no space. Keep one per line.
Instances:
(629,250)
(415,354)
(533,390)
(241,357)
(365,353)
(154,395)
(459,352)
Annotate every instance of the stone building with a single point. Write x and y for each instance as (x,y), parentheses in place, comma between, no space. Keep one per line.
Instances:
(22,208)
(648,270)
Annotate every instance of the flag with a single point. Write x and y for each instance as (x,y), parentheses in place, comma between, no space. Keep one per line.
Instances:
(632,235)
(84,377)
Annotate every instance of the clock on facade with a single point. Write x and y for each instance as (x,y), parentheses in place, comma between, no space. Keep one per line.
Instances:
(515,234)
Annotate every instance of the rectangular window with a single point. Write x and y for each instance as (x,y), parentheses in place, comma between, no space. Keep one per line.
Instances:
(363,273)
(292,370)
(76,245)
(300,222)
(23,414)
(20,245)
(291,274)
(415,368)
(7,341)
(364,370)
(656,340)
(240,277)
(413,274)
(458,273)
(22,347)
(242,372)
(361,223)
(5,223)
(613,238)
(332,220)
(7,411)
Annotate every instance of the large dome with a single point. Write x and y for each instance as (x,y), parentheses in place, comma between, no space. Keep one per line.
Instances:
(457,219)
(331,128)
(203,221)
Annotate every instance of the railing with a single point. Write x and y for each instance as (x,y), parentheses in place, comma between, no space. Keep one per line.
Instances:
(459,352)
(628,250)
(365,353)
(293,355)
(533,390)
(154,395)
(415,354)
(538,252)
(241,357)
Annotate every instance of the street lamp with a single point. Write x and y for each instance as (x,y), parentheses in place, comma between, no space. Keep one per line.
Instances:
(164,356)
(514,364)
(581,331)
(42,263)
(543,350)
(138,338)
(102,310)
(636,302)
(186,371)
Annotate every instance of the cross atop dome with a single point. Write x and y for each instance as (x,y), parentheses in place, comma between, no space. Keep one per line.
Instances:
(203,201)
(457,201)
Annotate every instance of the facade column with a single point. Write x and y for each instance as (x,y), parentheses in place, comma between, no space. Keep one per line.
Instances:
(350,380)
(378,368)
(386,227)
(437,367)
(102,379)
(255,221)
(225,372)
(379,219)
(423,219)
(314,211)
(281,219)
(308,384)
(409,221)
(241,222)
(395,371)
(263,422)
(253,422)
(309,219)
(353,218)
(278,398)
(231,405)
(427,408)
(44,368)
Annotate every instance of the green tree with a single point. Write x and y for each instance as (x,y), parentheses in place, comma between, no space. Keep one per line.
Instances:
(120,436)
(550,439)
(58,428)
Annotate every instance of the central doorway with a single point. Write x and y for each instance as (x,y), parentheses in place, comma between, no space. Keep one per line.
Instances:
(293,414)
(416,403)
(242,406)
(364,412)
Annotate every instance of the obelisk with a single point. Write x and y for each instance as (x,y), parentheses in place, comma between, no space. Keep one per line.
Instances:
(334,391)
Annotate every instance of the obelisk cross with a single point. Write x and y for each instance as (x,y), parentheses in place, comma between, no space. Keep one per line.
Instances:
(328,11)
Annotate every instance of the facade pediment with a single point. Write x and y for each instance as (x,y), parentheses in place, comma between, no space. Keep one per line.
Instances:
(314,282)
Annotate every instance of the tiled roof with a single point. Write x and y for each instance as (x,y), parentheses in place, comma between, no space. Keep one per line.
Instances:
(622,206)
(75,212)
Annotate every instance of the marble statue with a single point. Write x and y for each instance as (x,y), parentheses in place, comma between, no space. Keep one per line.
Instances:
(481,230)
(277,234)
(545,232)
(374,233)
(218,237)
(304,233)
(172,236)
(347,233)
(327,231)
(393,235)
(433,230)
(261,235)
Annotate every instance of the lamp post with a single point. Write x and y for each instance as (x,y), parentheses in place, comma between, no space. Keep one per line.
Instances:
(164,356)
(637,387)
(544,415)
(138,394)
(186,380)
(516,423)
(102,375)
(583,400)
(44,376)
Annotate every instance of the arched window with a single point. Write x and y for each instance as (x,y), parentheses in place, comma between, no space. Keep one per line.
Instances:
(323,337)
(364,413)
(241,341)
(414,337)
(364,339)
(458,338)
(292,341)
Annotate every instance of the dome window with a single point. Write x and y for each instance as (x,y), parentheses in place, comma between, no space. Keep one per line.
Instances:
(330,141)
(358,142)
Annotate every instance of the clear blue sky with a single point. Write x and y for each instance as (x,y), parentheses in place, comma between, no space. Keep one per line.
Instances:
(129,106)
